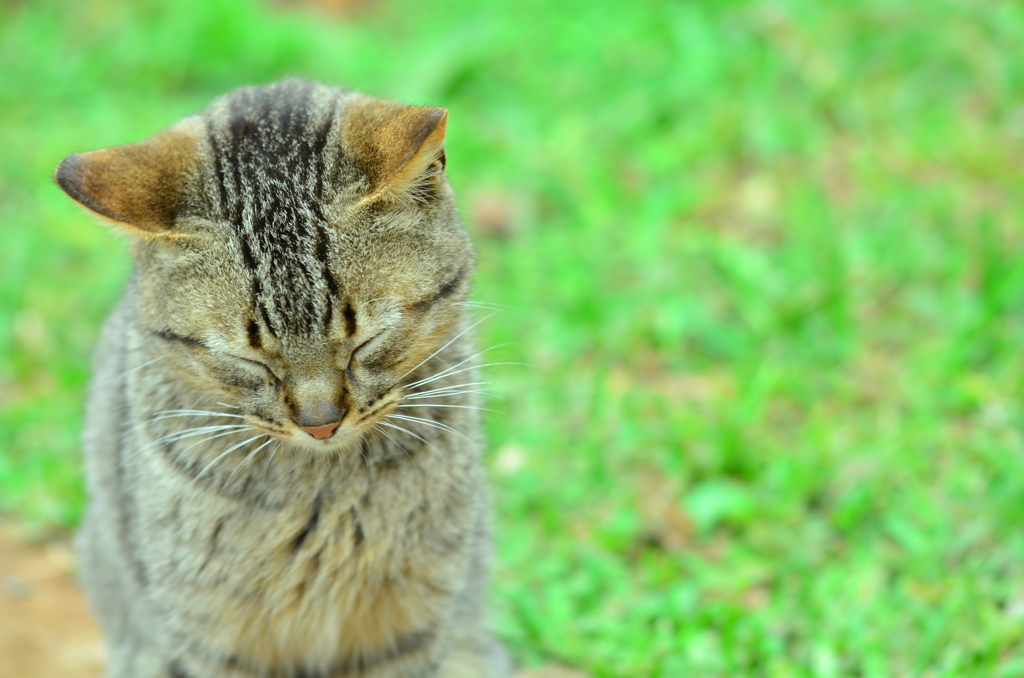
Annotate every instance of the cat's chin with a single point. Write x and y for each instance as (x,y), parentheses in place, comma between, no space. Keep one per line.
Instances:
(344,437)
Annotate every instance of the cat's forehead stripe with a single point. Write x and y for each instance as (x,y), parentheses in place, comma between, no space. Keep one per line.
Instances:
(271,158)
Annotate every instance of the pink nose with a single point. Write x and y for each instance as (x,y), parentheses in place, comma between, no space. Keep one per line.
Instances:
(321,432)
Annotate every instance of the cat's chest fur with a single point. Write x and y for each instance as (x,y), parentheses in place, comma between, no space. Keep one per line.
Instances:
(358,558)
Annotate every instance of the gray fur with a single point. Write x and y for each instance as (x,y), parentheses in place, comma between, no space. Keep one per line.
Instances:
(278,295)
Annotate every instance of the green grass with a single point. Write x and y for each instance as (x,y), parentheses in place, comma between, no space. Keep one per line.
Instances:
(764,261)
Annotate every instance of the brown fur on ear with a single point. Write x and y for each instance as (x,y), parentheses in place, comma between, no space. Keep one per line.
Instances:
(394,143)
(140,185)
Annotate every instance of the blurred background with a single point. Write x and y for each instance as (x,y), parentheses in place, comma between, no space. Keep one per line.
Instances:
(763,259)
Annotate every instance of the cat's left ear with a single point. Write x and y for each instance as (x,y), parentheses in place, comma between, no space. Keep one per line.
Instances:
(140,186)
(400,147)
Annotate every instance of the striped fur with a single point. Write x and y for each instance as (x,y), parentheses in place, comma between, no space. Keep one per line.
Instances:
(298,261)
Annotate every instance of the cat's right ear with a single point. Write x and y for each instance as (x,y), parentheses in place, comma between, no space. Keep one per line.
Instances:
(140,186)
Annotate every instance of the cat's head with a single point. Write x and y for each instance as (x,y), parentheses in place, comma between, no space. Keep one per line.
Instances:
(297,249)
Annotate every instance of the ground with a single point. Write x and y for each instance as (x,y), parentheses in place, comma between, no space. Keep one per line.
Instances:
(46,629)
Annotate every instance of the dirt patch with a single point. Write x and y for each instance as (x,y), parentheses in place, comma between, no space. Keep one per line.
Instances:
(46,629)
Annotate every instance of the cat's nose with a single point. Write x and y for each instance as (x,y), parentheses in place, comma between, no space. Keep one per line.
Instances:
(320,420)
(323,431)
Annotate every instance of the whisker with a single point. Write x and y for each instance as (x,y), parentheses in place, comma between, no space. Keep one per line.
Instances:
(446,345)
(250,455)
(455,389)
(191,432)
(142,449)
(487,305)
(404,430)
(445,388)
(270,460)
(443,393)
(192,410)
(204,440)
(134,369)
(170,414)
(430,422)
(156,416)
(465,369)
(222,455)
(461,407)
(448,370)
(425,441)
(385,433)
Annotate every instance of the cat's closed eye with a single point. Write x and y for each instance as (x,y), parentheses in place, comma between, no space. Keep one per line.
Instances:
(365,349)
(262,368)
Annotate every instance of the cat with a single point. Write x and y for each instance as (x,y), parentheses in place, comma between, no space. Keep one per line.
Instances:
(282,441)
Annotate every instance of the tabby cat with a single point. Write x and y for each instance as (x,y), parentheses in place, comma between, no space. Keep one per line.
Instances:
(282,442)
